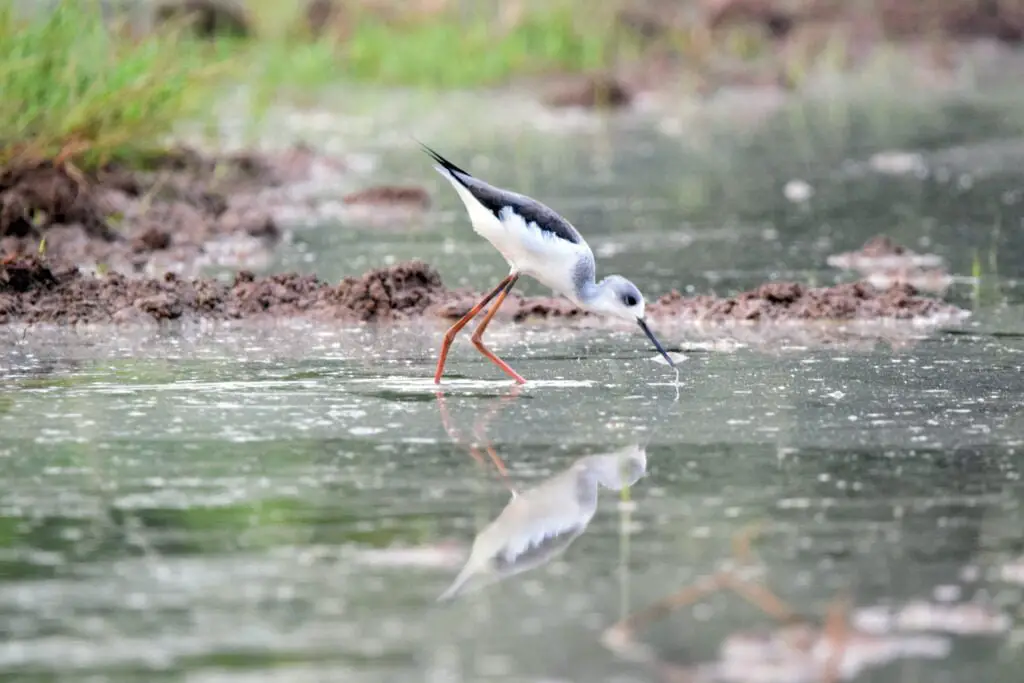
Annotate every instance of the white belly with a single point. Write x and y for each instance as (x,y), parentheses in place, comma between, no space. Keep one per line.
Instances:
(546,258)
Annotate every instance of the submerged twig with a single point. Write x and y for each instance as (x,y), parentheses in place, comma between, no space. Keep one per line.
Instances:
(801,649)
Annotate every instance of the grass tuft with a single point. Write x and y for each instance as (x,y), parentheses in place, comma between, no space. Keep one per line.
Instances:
(75,88)
(442,52)
(439,50)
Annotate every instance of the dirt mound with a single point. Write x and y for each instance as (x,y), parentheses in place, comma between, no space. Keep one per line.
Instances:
(914,19)
(206,18)
(882,254)
(390,195)
(182,211)
(403,290)
(516,307)
(23,275)
(592,91)
(36,196)
(793,301)
(35,289)
(886,264)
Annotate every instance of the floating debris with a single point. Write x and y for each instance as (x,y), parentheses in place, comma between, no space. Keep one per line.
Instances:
(896,162)
(797,191)
(960,618)
(1013,571)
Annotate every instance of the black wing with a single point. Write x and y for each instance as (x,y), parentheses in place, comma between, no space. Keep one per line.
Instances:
(495,200)
(539,553)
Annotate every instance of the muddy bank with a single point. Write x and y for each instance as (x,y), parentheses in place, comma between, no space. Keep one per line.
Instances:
(42,290)
(183,211)
(885,263)
(38,290)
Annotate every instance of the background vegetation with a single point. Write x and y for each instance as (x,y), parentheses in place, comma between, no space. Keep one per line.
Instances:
(82,82)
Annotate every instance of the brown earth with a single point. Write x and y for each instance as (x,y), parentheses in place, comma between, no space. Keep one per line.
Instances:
(999,19)
(390,195)
(135,222)
(886,264)
(205,18)
(35,289)
(779,44)
(793,301)
(882,254)
(596,91)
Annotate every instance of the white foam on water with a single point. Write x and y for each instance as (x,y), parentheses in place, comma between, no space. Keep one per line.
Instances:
(426,384)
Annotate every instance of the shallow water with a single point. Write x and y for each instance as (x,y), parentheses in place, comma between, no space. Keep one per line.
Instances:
(285,503)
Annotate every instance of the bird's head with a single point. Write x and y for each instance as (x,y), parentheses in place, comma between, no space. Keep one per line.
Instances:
(620,298)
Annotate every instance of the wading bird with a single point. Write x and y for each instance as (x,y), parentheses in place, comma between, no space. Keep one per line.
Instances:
(540,523)
(535,241)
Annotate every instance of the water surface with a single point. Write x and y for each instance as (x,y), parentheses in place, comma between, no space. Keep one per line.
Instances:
(285,503)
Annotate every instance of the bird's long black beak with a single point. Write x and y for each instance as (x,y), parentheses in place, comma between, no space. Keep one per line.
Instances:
(657,344)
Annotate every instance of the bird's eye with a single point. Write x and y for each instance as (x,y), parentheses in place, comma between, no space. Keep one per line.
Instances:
(629,300)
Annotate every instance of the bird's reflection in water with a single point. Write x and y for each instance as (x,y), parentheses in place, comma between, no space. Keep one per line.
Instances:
(539,523)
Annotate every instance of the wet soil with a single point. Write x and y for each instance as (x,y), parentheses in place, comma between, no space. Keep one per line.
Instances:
(165,217)
(592,91)
(882,253)
(716,44)
(794,301)
(885,263)
(205,18)
(390,195)
(36,289)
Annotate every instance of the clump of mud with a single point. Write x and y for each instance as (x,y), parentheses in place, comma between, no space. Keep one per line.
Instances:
(881,253)
(778,301)
(36,196)
(175,214)
(591,91)
(206,18)
(35,289)
(885,263)
(390,196)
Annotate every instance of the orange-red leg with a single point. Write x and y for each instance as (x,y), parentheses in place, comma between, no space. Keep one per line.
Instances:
(480,431)
(479,333)
(449,336)
(836,634)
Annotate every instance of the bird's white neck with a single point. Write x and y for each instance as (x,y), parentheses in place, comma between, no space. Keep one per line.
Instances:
(591,293)
(598,297)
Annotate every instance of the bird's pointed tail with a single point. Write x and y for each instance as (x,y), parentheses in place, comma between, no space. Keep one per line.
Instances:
(458,584)
(445,166)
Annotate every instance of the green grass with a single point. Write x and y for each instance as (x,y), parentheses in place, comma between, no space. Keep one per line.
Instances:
(77,88)
(441,51)
(70,84)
